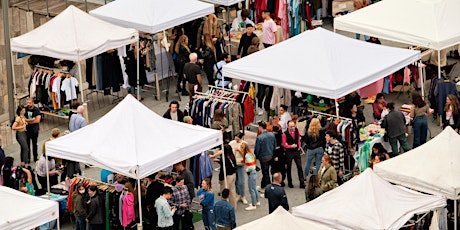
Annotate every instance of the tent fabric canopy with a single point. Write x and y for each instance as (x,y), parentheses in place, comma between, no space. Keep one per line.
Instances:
(321,63)
(152,16)
(426,23)
(223,2)
(367,202)
(22,211)
(134,141)
(281,219)
(73,35)
(438,169)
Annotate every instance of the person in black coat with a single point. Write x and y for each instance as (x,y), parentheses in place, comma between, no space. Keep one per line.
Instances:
(276,195)
(279,158)
(174,113)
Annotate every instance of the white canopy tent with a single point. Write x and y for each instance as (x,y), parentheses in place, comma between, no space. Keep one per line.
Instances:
(281,219)
(223,2)
(22,211)
(437,171)
(73,35)
(367,202)
(337,65)
(427,23)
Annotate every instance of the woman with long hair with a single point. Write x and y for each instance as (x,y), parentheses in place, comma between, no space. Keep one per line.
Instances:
(250,168)
(418,114)
(219,122)
(327,174)
(19,126)
(313,189)
(208,52)
(451,114)
(230,171)
(315,140)
(206,198)
(183,51)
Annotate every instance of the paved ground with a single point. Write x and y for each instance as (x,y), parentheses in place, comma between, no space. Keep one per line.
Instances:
(100,105)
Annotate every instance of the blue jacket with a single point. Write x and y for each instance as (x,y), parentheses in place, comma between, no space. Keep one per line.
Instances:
(206,198)
(224,214)
(265,145)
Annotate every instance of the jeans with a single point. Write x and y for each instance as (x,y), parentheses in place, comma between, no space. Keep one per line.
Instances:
(96,227)
(80,223)
(265,165)
(420,127)
(31,136)
(252,178)
(316,154)
(208,218)
(240,181)
(296,157)
(318,14)
(402,141)
(358,36)
(21,137)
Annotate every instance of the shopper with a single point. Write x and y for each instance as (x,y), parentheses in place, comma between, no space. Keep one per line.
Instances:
(188,178)
(263,149)
(6,171)
(336,151)
(95,216)
(25,181)
(19,126)
(182,51)
(206,198)
(174,113)
(224,59)
(418,114)
(395,125)
(246,41)
(208,53)
(451,114)
(181,200)
(315,141)
(327,174)
(77,120)
(192,73)
(79,207)
(32,118)
(224,213)
(285,117)
(379,105)
(240,170)
(165,212)
(269,30)
(250,168)
(229,165)
(154,189)
(52,171)
(276,195)
(291,144)
(278,163)
(313,189)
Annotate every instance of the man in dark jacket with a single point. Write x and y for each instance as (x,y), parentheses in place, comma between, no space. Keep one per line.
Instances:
(275,194)
(95,210)
(291,143)
(245,41)
(174,113)
(394,124)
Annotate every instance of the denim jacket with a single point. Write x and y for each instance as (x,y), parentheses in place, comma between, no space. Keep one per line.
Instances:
(224,214)
(265,145)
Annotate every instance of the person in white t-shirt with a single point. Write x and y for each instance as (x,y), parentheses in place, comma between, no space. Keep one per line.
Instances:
(241,20)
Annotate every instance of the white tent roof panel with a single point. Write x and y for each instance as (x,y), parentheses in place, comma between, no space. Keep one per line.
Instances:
(321,63)
(134,141)
(223,2)
(73,35)
(152,16)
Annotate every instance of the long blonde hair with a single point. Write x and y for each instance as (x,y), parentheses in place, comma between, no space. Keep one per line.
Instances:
(246,149)
(208,42)
(314,128)
(181,42)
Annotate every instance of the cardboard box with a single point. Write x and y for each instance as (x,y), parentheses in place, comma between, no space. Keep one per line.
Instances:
(342,5)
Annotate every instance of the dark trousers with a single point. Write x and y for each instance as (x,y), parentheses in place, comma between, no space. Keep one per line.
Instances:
(31,136)
(21,137)
(265,165)
(42,181)
(80,223)
(296,157)
(96,227)
(267,45)
(185,219)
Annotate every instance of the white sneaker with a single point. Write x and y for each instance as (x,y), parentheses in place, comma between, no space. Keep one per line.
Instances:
(243,199)
(260,112)
(262,195)
(250,208)
(258,203)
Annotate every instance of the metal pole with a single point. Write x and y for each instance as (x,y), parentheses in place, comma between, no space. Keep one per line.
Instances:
(47,177)
(47,9)
(439,64)
(138,57)
(229,38)
(139,197)
(223,165)
(420,70)
(336,108)
(456,213)
(81,81)
(14,77)
(8,59)
(86,6)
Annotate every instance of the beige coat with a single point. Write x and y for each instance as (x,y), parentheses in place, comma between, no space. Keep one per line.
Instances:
(328,178)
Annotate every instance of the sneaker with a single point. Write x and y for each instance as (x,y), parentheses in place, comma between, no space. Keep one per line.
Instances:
(250,208)
(243,199)
(262,195)
(258,203)
(260,112)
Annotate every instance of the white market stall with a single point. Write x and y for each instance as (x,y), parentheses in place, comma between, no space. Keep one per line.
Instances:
(431,24)
(437,171)
(367,202)
(22,211)
(133,140)
(281,219)
(321,63)
(73,35)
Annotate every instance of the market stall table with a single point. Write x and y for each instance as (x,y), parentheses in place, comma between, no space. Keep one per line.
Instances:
(235,40)
(369,136)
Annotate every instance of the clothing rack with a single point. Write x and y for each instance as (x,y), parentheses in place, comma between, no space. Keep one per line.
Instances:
(53,69)
(211,87)
(330,115)
(214,96)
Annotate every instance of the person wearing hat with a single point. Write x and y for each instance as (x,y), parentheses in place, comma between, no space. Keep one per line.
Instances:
(263,149)
(242,21)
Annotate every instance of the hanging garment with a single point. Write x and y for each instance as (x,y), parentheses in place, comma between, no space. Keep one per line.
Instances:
(69,85)
(128,209)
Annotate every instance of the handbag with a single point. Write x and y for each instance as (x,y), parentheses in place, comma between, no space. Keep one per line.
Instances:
(257,168)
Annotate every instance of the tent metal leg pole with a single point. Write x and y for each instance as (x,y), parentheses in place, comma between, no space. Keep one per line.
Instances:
(140,202)
(439,64)
(81,81)
(58,224)
(421,75)
(47,177)
(137,61)
(456,213)
(229,38)
(223,165)
(336,107)
(9,61)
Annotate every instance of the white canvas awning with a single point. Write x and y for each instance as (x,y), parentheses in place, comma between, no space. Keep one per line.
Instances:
(133,140)
(426,23)
(152,16)
(21,211)
(367,202)
(321,63)
(223,2)
(433,167)
(73,35)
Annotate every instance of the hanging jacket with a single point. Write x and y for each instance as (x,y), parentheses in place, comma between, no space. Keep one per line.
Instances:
(128,209)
